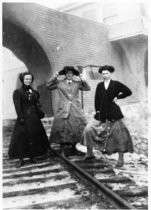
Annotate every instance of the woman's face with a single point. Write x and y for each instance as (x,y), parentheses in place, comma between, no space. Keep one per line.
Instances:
(106,74)
(27,80)
(69,75)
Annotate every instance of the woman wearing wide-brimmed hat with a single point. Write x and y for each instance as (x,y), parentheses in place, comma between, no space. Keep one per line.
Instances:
(69,120)
(29,138)
(108,120)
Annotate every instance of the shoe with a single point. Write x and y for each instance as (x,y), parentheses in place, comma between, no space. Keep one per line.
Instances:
(79,153)
(74,151)
(33,160)
(64,152)
(20,164)
(104,152)
(119,164)
(50,152)
(64,155)
(89,157)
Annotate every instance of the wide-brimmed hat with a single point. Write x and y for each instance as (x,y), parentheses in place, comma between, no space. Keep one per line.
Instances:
(69,68)
(106,67)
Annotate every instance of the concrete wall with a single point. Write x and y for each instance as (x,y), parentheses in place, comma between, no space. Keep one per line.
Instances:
(118,11)
(91,10)
(11,69)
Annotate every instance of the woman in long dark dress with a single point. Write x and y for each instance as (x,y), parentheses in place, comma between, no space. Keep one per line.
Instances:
(108,113)
(29,138)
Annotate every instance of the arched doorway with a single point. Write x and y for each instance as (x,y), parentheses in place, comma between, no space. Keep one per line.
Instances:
(29,51)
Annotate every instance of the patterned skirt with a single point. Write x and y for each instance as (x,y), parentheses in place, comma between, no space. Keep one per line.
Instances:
(117,139)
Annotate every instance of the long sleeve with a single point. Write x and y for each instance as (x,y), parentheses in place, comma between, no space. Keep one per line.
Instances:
(97,100)
(84,86)
(38,97)
(52,83)
(123,91)
(40,112)
(17,103)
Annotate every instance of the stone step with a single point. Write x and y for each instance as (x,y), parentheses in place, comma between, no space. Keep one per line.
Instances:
(39,190)
(42,178)
(72,203)
(31,173)
(26,167)
(44,195)
(115,179)
(133,192)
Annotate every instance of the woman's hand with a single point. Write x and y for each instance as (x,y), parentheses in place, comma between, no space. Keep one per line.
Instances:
(52,79)
(81,77)
(22,121)
(115,100)
(56,75)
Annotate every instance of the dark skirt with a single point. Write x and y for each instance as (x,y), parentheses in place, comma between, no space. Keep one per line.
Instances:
(67,130)
(29,139)
(116,138)
(119,139)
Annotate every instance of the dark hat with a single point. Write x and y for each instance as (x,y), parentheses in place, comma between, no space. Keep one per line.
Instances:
(22,75)
(69,68)
(106,67)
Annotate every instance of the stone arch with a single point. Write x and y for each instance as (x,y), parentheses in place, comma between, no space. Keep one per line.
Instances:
(29,51)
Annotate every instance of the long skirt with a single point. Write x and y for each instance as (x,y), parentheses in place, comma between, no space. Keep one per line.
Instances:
(67,130)
(29,139)
(118,140)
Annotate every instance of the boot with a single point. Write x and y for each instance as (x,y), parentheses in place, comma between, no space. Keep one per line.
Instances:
(89,155)
(63,150)
(73,149)
(32,160)
(20,163)
(76,152)
(120,161)
(50,152)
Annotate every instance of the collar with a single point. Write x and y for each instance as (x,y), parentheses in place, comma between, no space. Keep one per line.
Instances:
(107,81)
(69,81)
(27,88)
(106,84)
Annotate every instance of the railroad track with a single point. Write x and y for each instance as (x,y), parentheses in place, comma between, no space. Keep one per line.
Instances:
(120,190)
(40,185)
(45,185)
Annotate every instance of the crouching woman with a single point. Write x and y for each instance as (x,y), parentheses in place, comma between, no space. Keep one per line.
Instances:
(109,118)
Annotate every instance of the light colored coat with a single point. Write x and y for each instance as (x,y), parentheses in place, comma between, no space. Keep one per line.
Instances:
(68,96)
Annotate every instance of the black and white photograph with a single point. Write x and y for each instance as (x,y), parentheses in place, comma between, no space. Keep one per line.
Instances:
(75,104)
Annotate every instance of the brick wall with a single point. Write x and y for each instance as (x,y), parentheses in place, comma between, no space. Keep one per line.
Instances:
(69,40)
(66,40)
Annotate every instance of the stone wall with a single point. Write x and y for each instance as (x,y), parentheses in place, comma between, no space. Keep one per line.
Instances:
(136,119)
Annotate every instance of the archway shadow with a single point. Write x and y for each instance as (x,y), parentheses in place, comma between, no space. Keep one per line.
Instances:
(29,51)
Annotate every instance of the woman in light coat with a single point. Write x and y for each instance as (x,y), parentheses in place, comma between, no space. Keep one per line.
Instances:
(69,120)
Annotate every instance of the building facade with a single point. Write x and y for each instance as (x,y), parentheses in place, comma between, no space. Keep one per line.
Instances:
(127,23)
(46,40)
